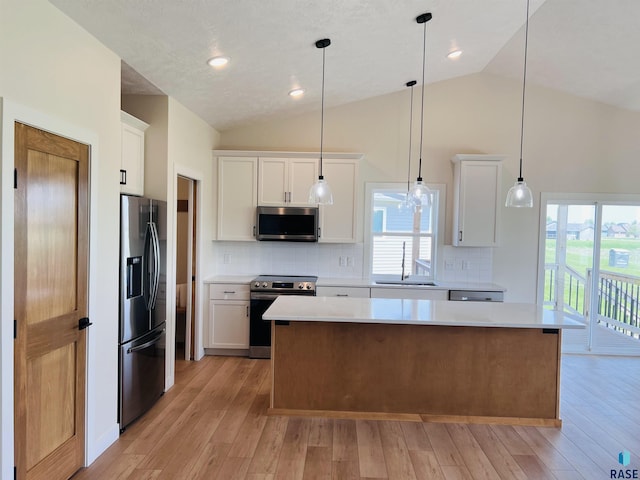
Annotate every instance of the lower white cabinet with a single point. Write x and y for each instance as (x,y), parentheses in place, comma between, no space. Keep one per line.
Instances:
(409,293)
(228,326)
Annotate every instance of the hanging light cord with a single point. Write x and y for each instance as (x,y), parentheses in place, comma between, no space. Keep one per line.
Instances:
(422,19)
(322,114)
(524,83)
(410,84)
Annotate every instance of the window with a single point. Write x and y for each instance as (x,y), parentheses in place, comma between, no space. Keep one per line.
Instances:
(394,232)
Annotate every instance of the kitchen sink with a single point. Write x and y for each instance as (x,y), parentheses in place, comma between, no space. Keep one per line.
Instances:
(405,282)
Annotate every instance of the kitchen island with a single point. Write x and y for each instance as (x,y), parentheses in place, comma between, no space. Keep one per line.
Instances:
(423,360)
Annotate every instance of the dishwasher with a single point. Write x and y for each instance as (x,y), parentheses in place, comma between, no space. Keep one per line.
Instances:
(475,296)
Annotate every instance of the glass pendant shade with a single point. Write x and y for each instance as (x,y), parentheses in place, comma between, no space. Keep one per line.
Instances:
(420,194)
(320,193)
(519,195)
(407,204)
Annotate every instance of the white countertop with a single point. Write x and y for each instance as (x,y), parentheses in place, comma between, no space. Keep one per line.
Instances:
(367,283)
(416,312)
(241,279)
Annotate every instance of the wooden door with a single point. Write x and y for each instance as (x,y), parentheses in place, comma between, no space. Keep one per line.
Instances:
(51,283)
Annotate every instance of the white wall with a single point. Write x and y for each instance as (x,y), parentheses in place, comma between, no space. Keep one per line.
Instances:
(57,77)
(571,145)
(179,143)
(190,142)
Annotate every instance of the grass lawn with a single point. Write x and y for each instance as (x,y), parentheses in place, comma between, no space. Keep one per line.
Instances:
(579,257)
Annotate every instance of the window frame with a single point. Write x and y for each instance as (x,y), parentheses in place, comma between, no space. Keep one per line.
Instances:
(438,225)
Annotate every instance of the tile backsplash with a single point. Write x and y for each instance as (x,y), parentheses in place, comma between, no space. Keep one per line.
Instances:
(465,264)
(458,264)
(289,258)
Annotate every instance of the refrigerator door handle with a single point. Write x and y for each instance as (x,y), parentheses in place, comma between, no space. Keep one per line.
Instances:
(156,264)
(147,288)
(146,344)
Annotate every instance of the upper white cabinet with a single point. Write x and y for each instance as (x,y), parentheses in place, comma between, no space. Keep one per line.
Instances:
(237,197)
(338,221)
(476,200)
(285,181)
(132,160)
(247,179)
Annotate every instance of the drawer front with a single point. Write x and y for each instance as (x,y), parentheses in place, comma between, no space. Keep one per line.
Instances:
(228,291)
(357,292)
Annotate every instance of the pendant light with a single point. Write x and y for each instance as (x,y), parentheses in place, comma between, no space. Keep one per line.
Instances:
(408,203)
(420,194)
(320,192)
(520,194)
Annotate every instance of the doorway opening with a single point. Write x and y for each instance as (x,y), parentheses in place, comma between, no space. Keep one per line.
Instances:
(186,211)
(590,253)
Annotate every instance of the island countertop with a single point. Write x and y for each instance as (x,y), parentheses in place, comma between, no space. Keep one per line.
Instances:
(416,312)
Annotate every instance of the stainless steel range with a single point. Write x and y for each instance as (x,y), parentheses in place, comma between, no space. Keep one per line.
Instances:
(264,290)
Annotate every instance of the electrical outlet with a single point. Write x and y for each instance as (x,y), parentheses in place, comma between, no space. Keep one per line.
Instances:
(449,264)
(227,258)
(342,261)
(466,265)
(349,261)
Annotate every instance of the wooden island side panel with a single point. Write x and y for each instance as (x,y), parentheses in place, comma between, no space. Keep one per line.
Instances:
(414,369)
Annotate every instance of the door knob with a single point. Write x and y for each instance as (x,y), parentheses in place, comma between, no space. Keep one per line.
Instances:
(83,323)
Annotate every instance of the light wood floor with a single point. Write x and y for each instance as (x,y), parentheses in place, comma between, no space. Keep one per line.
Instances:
(213,425)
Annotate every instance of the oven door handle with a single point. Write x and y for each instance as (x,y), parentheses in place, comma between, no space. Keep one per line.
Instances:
(264,296)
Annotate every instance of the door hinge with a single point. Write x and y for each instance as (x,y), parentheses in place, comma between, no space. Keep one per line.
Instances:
(15,328)
(15,178)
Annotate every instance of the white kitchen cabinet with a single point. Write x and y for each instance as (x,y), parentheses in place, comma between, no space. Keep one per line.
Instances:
(338,221)
(409,293)
(285,181)
(132,159)
(228,326)
(476,200)
(237,198)
(357,292)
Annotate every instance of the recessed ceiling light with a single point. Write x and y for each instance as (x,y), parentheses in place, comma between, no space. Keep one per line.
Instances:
(296,92)
(218,62)
(454,54)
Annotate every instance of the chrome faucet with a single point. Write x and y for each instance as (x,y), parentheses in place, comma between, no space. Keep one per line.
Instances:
(402,276)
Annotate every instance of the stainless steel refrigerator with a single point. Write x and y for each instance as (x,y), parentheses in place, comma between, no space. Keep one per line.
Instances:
(142,340)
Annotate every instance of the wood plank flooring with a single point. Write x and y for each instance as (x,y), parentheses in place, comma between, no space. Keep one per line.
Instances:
(213,425)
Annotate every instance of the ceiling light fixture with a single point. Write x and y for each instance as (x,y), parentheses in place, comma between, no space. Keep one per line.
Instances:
(454,54)
(520,194)
(320,192)
(420,193)
(218,61)
(296,92)
(408,203)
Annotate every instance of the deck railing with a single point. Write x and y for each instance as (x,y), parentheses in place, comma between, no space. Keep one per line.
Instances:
(618,302)
(618,297)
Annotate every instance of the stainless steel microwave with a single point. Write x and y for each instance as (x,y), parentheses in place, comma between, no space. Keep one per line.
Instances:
(293,224)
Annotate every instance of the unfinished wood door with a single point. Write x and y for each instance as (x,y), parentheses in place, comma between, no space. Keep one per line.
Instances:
(51,283)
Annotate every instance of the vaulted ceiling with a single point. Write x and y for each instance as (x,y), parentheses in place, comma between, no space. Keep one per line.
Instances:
(588,48)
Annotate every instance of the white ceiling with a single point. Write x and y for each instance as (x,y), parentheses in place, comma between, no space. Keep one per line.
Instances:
(586,47)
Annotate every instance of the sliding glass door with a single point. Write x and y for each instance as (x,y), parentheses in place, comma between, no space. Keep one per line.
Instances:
(591,262)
